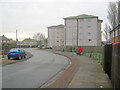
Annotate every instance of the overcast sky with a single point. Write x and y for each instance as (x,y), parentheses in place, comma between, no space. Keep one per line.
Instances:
(32,16)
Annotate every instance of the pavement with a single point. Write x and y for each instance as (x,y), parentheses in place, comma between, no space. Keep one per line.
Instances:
(89,75)
(83,73)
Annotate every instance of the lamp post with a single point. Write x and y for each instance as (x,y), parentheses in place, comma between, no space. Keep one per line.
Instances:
(72,43)
(72,48)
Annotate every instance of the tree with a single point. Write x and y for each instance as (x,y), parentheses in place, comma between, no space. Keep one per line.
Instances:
(106,32)
(113,14)
(39,37)
(113,19)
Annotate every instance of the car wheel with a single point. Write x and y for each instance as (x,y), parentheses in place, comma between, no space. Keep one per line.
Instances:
(24,56)
(19,57)
(8,57)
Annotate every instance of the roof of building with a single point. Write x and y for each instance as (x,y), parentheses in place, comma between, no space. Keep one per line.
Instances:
(81,16)
(4,38)
(31,40)
(60,25)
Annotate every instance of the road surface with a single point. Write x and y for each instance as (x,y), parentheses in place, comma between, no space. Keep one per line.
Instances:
(34,72)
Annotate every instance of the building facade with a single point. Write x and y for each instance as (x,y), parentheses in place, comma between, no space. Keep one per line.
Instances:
(56,35)
(83,30)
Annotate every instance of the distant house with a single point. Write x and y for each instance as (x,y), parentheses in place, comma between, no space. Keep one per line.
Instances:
(4,39)
(30,42)
(6,44)
(11,41)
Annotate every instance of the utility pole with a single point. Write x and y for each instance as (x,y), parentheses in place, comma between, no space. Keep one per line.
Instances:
(16,37)
(77,33)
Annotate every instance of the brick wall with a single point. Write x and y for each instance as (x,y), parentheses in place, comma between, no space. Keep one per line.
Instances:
(115,40)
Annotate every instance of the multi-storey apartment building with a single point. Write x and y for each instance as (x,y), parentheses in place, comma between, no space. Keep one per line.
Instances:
(83,30)
(56,35)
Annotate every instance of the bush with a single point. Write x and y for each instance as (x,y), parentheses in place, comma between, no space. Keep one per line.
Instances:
(70,49)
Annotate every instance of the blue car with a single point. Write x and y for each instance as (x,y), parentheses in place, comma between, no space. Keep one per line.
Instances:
(16,53)
(39,47)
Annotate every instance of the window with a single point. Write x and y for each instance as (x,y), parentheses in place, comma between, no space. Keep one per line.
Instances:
(113,34)
(89,40)
(119,31)
(61,29)
(116,32)
(62,37)
(73,34)
(62,41)
(21,51)
(88,20)
(80,33)
(14,50)
(89,27)
(88,33)
(81,27)
(80,39)
(81,20)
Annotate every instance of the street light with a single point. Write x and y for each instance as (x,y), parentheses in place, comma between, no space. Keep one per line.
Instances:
(73,34)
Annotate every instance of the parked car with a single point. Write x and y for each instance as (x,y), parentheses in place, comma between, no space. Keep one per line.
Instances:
(39,47)
(16,53)
(43,47)
(49,47)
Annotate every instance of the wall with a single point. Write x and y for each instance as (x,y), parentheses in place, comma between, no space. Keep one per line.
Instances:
(112,63)
(85,48)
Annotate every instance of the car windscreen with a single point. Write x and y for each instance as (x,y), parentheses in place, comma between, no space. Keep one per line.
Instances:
(14,50)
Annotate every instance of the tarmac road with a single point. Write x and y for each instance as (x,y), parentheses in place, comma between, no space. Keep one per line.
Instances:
(34,72)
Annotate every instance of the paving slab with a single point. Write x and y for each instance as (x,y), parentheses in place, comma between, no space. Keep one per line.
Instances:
(89,75)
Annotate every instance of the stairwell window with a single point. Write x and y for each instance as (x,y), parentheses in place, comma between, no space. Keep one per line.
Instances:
(81,27)
(89,40)
(80,33)
(80,39)
(88,26)
(88,33)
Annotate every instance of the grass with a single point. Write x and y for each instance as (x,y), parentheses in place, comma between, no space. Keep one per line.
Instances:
(3,56)
(94,55)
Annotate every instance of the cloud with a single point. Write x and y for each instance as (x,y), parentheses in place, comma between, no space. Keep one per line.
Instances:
(32,16)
